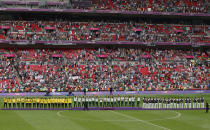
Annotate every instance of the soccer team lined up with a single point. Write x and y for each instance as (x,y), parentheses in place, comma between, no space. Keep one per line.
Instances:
(106,101)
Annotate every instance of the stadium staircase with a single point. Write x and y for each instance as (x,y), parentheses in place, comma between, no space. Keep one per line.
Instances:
(15,70)
(17,74)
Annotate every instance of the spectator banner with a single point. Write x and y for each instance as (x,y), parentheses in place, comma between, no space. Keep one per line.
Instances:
(9,55)
(74,77)
(102,56)
(179,30)
(4,27)
(57,55)
(49,28)
(136,29)
(189,57)
(106,93)
(146,56)
(93,29)
(39,77)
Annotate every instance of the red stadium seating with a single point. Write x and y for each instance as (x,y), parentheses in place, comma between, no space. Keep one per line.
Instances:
(123,69)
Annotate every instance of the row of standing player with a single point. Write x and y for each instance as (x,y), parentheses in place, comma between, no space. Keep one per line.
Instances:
(107,101)
(187,103)
(61,102)
(38,102)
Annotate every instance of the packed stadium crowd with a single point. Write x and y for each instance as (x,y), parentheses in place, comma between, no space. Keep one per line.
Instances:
(178,6)
(64,30)
(102,101)
(33,70)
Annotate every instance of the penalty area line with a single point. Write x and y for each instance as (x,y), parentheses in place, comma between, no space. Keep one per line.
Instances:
(139,120)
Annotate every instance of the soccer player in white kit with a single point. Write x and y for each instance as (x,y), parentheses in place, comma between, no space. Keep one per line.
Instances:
(112,101)
(75,101)
(178,102)
(144,102)
(150,103)
(160,103)
(96,101)
(133,101)
(194,103)
(171,106)
(126,101)
(93,101)
(108,100)
(189,103)
(105,103)
(122,101)
(153,102)
(130,101)
(181,103)
(138,102)
(147,100)
(101,101)
(164,102)
(174,103)
(168,103)
(118,101)
(156,103)
(115,101)
(83,101)
(79,101)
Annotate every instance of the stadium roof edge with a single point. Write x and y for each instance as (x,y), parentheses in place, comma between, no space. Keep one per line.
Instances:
(29,10)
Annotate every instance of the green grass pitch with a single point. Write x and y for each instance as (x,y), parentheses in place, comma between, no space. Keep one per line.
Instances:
(107,120)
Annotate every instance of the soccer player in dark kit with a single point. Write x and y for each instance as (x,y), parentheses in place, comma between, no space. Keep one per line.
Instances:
(194,103)
(160,103)
(202,102)
(207,107)
(86,105)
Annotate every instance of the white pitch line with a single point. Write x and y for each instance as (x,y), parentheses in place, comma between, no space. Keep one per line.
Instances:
(169,118)
(59,114)
(174,117)
(143,121)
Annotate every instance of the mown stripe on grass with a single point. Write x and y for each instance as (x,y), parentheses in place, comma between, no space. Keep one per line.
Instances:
(90,125)
(143,121)
(10,120)
(48,120)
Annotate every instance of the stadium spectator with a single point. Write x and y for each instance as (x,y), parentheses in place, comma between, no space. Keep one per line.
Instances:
(103,31)
(100,69)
